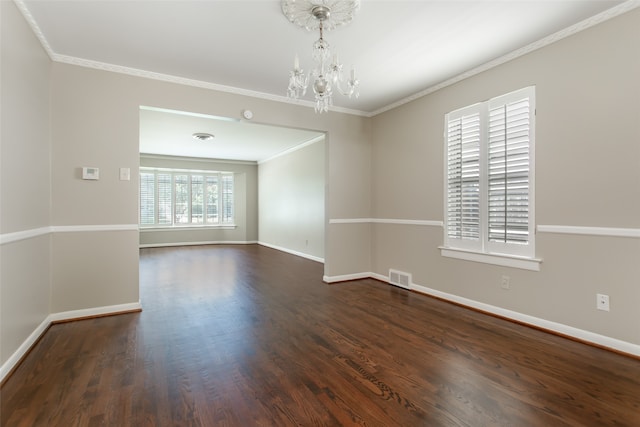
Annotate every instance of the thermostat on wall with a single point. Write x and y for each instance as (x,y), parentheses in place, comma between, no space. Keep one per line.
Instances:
(90,173)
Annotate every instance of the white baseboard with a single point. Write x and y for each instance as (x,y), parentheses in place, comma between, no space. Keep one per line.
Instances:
(347,277)
(559,328)
(24,348)
(250,242)
(292,252)
(216,242)
(97,311)
(380,277)
(570,331)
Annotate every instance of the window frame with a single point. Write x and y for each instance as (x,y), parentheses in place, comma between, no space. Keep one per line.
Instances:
(189,173)
(483,249)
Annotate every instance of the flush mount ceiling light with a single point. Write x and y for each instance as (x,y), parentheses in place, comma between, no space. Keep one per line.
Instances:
(201,136)
(327,75)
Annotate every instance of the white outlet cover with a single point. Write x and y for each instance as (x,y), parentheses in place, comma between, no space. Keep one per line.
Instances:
(505,282)
(602,302)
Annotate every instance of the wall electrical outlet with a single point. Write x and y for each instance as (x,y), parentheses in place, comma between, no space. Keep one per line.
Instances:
(602,302)
(505,282)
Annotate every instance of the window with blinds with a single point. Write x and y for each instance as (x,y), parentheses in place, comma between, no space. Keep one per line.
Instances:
(185,198)
(489,175)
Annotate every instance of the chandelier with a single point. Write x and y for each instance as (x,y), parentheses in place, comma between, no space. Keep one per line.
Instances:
(327,76)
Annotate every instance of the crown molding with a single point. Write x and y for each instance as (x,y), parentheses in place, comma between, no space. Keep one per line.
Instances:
(35,28)
(194,159)
(292,149)
(102,66)
(569,31)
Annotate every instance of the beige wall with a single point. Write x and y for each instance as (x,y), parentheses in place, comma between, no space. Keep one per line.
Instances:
(57,118)
(94,269)
(587,174)
(291,200)
(25,126)
(245,204)
(95,123)
(24,181)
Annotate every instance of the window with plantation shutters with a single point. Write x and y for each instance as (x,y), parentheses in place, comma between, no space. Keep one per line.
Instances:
(489,176)
(185,198)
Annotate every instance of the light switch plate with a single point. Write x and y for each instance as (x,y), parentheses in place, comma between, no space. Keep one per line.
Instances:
(125,174)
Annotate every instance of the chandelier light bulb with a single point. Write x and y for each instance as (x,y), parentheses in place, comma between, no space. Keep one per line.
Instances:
(320,86)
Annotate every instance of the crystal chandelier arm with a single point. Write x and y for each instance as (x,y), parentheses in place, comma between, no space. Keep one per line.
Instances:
(298,81)
(352,82)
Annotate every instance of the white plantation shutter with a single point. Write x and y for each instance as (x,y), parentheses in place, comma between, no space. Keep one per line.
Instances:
(463,177)
(197,199)
(213,206)
(227,198)
(489,178)
(181,203)
(508,172)
(165,198)
(147,196)
(171,197)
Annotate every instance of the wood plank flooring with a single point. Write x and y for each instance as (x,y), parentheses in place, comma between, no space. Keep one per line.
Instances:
(250,336)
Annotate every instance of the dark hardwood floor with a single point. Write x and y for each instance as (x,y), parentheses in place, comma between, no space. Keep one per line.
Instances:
(249,336)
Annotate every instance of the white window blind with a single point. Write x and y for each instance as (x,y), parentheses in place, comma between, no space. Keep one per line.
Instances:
(185,198)
(489,175)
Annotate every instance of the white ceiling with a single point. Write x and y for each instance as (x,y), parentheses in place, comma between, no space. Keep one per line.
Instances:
(170,133)
(399,48)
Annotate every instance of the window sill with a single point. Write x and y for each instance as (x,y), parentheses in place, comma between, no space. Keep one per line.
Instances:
(189,228)
(532,264)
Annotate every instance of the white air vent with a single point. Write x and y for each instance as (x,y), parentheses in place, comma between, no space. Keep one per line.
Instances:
(400,278)
(201,136)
